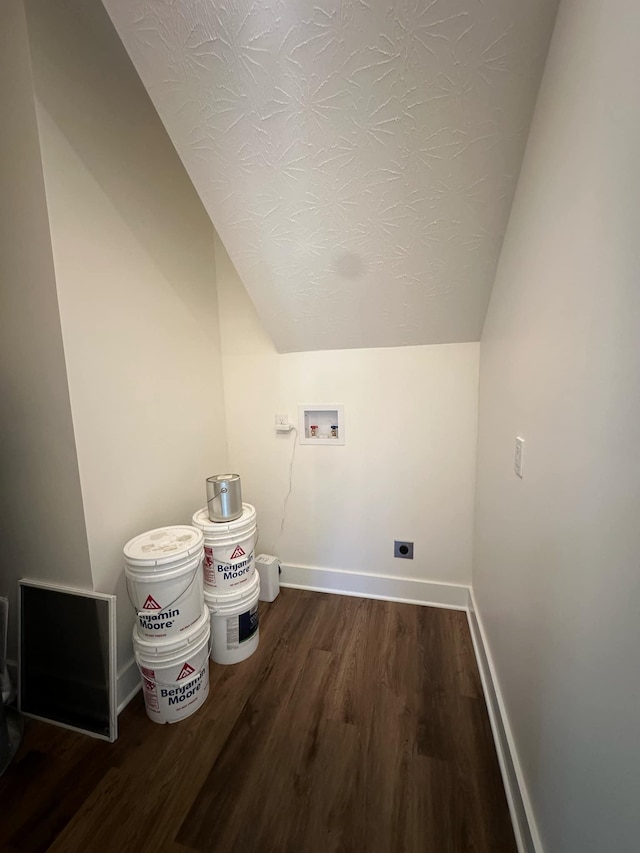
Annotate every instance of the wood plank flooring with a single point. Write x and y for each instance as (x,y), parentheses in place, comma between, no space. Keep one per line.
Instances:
(358,725)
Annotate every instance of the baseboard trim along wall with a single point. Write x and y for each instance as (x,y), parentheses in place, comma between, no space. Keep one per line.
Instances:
(404,590)
(524,825)
(127,684)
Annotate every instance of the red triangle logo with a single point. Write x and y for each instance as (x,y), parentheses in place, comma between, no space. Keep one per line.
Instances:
(237,553)
(151,604)
(149,685)
(185,671)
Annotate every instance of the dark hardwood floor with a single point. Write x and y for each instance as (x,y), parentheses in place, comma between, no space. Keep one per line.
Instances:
(358,725)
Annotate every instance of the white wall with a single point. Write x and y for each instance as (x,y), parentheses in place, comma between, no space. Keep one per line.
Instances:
(42,525)
(556,560)
(405,472)
(134,262)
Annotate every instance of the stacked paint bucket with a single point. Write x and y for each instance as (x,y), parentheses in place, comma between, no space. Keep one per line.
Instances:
(231,583)
(171,637)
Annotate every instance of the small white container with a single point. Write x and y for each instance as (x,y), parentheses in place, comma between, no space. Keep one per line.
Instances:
(164,580)
(175,674)
(235,629)
(268,567)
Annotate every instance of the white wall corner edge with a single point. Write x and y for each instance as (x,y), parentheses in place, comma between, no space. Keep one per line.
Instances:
(522,817)
(385,587)
(128,683)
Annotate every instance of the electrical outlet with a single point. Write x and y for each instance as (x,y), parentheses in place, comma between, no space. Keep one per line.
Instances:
(282,423)
(404,550)
(519,457)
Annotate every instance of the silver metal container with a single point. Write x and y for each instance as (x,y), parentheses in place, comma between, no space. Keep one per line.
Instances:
(224,497)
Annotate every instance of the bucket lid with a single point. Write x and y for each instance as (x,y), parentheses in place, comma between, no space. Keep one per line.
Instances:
(163,545)
(223,478)
(202,521)
(247,591)
(171,645)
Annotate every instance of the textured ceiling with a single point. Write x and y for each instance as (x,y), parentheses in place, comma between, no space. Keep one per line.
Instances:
(357,158)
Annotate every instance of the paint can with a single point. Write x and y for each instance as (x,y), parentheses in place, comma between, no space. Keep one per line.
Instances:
(164,580)
(224,497)
(175,674)
(229,551)
(235,631)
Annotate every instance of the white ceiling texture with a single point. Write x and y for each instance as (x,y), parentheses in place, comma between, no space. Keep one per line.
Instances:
(357,158)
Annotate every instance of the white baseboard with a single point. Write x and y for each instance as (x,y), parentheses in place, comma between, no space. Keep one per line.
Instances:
(404,590)
(524,825)
(128,684)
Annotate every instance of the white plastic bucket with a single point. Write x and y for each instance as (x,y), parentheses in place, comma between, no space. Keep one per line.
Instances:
(234,623)
(175,675)
(229,550)
(164,580)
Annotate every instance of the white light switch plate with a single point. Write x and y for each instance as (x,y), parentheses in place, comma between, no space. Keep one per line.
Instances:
(519,456)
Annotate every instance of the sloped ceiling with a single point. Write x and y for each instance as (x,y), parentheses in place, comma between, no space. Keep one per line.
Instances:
(357,158)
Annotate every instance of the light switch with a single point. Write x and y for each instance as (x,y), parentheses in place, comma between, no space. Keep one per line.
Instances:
(519,457)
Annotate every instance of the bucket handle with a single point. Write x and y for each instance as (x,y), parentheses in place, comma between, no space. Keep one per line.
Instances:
(140,613)
(223,491)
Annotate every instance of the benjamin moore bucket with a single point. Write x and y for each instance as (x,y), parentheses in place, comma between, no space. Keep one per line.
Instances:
(175,674)
(164,580)
(229,551)
(235,629)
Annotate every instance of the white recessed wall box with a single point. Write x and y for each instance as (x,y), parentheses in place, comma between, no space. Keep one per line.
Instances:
(321,424)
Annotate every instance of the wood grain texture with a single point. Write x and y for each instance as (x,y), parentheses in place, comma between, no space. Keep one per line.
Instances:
(357,725)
